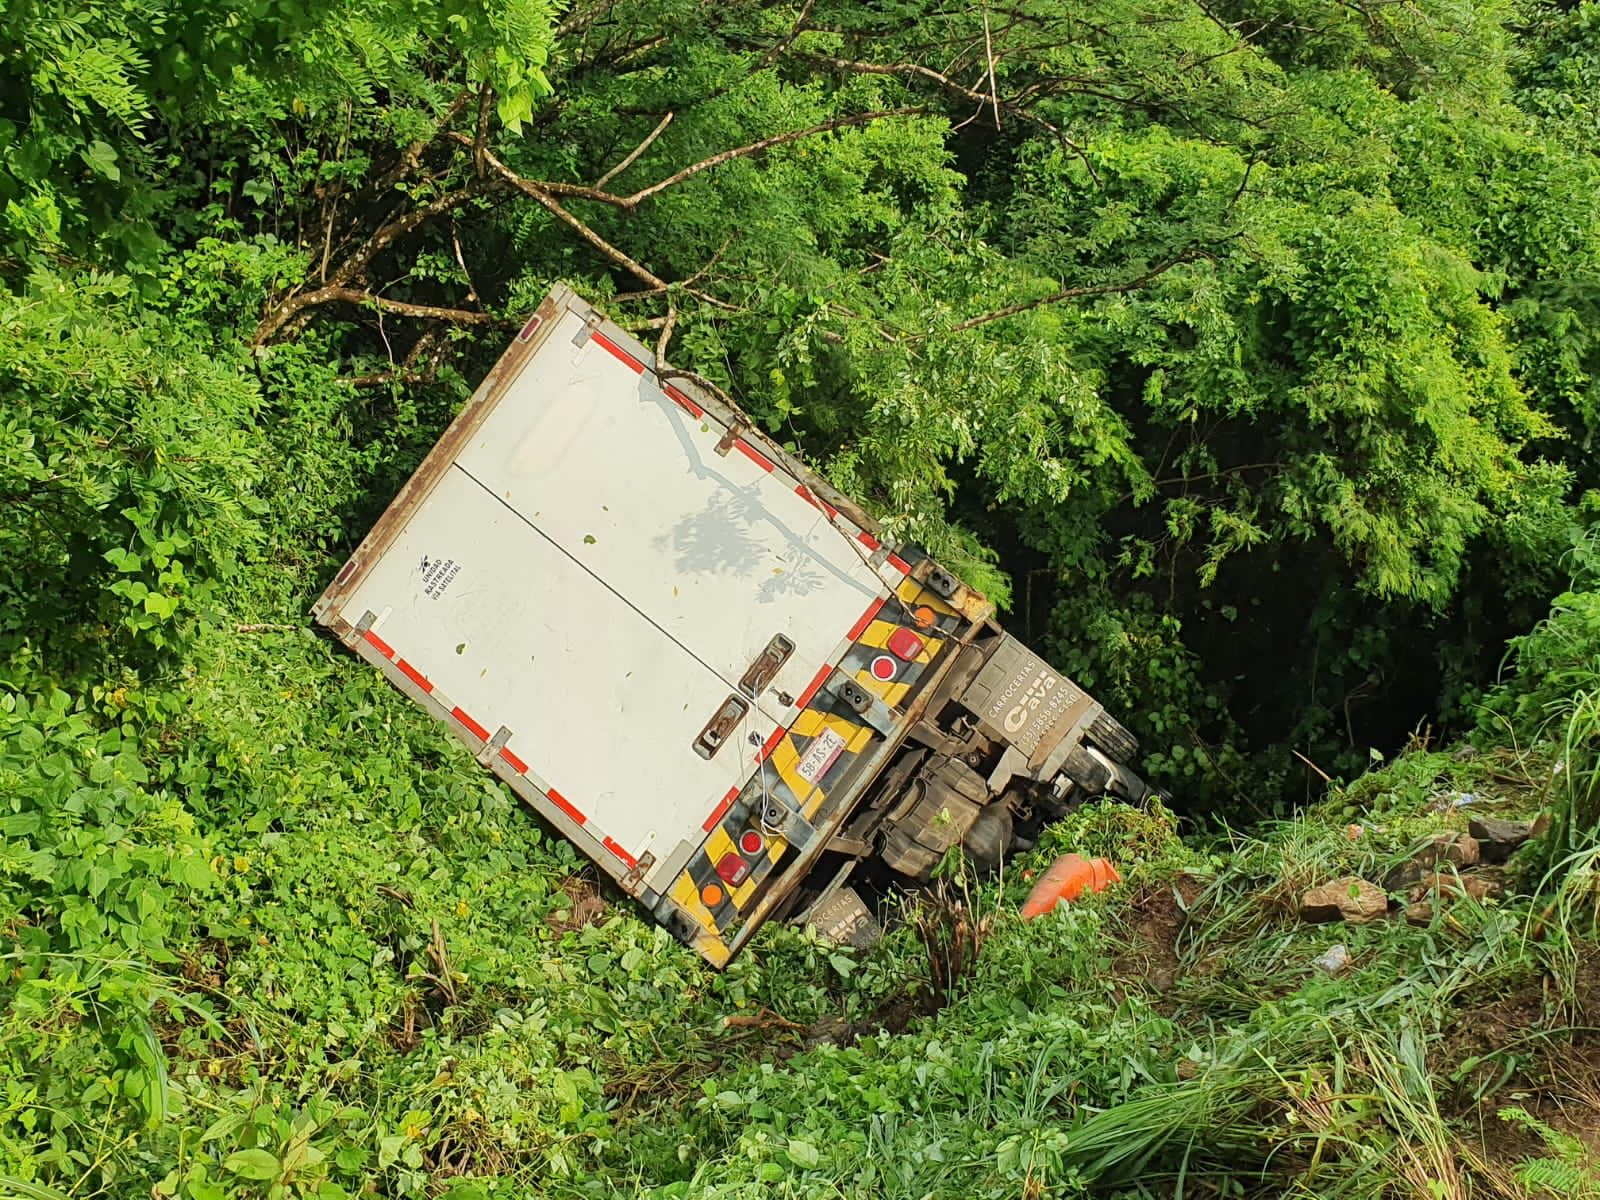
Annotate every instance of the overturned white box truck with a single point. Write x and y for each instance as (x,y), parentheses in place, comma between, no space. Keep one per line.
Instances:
(695,658)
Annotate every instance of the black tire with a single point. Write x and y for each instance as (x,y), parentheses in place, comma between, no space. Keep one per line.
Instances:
(1107,732)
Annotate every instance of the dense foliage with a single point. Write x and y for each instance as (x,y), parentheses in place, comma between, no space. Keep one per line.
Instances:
(1247,352)
(1206,339)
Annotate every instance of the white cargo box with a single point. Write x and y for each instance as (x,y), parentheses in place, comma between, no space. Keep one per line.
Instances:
(582,572)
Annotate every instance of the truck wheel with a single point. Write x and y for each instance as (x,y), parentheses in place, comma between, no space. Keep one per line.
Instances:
(1107,732)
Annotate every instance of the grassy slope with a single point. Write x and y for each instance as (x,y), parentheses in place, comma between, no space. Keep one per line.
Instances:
(326,956)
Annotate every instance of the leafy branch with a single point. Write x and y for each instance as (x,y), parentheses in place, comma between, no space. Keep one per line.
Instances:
(287,316)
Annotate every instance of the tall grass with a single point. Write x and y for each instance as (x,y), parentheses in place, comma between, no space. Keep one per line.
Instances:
(1575,794)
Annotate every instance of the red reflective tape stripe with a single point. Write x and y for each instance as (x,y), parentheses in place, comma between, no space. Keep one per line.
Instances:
(777,736)
(620,853)
(477,731)
(411,673)
(867,540)
(814,686)
(754,455)
(860,626)
(619,353)
(517,764)
(710,822)
(565,806)
(684,402)
(378,644)
(899,564)
(815,500)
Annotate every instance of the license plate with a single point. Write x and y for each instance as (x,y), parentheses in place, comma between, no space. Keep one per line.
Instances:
(825,748)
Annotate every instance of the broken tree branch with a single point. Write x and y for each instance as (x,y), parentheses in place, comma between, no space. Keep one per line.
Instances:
(412,154)
(537,190)
(1072,293)
(994,88)
(356,264)
(633,157)
(457,316)
(669,373)
(910,70)
(669,323)
(423,349)
(781,139)
(581,191)
(480,139)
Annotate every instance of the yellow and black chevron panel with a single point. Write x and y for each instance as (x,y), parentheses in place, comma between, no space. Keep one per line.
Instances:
(814,761)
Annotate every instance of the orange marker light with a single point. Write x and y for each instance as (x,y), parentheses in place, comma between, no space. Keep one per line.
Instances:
(924,617)
(711,895)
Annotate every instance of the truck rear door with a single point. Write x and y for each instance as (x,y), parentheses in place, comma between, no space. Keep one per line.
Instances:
(702,538)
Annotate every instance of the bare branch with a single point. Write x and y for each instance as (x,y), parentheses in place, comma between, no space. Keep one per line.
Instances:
(481,138)
(407,371)
(580,20)
(994,88)
(668,373)
(412,154)
(461,261)
(432,312)
(794,135)
(912,70)
(637,151)
(580,191)
(669,323)
(800,24)
(356,264)
(1072,293)
(537,190)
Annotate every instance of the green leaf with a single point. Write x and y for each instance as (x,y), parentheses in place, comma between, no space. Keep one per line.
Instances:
(101,159)
(254,1163)
(802,1154)
(25,1190)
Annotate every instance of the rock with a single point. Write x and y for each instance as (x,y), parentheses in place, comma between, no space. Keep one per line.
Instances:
(1541,826)
(1349,899)
(1457,849)
(1335,960)
(1497,839)
(1440,883)
(1419,913)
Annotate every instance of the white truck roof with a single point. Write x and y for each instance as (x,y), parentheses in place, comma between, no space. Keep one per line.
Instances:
(583,570)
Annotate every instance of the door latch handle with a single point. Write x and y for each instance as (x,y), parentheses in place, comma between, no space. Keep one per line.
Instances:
(766,666)
(723,722)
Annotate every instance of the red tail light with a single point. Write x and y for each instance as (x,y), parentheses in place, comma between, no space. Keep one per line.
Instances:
(905,644)
(733,869)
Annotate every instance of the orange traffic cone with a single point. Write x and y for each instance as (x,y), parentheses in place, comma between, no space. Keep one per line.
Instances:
(1067,879)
